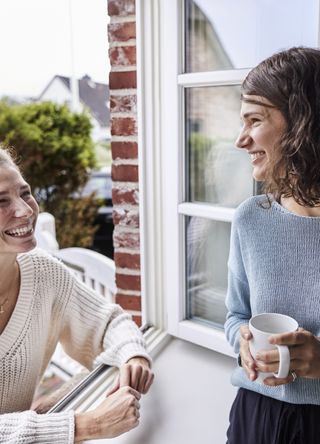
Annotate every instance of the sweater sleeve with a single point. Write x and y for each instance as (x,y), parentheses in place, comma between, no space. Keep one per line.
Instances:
(31,428)
(95,331)
(238,294)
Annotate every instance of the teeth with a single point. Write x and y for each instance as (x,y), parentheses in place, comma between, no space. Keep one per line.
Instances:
(255,156)
(20,231)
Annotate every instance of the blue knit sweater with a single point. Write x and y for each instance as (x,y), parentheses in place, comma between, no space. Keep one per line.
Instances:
(274,266)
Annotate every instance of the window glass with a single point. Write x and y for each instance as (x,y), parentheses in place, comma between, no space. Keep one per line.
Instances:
(217,172)
(232,34)
(207,249)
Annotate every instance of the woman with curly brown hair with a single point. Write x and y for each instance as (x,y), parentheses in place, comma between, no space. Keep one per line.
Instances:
(274,262)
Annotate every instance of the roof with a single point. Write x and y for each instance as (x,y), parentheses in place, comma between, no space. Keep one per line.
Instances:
(93,95)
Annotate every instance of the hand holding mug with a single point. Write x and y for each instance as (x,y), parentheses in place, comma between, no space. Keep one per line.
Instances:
(262,326)
(247,361)
(304,354)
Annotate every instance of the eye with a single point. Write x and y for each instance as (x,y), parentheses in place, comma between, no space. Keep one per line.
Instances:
(4,202)
(255,120)
(26,194)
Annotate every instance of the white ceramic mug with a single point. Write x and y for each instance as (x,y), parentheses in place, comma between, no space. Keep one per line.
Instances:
(262,326)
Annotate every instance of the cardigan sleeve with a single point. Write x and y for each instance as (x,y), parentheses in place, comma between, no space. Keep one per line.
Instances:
(31,428)
(238,294)
(95,331)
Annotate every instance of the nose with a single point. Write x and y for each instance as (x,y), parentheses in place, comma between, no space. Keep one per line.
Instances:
(22,209)
(243,140)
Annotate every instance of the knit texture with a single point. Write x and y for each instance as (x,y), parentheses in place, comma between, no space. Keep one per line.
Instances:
(274,266)
(54,306)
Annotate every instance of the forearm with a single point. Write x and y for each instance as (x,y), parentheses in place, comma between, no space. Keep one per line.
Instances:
(29,427)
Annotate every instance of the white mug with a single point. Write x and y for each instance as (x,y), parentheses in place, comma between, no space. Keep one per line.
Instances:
(262,326)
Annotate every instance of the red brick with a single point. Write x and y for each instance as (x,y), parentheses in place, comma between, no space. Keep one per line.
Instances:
(122,56)
(120,196)
(129,302)
(137,320)
(124,239)
(121,7)
(128,282)
(122,79)
(124,150)
(126,218)
(125,173)
(123,104)
(123,126)
(121,32)
(126,260)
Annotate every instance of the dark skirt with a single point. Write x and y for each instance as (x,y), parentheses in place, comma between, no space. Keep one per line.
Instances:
(258,419)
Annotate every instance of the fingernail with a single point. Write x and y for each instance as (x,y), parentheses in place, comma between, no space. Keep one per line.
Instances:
(258,357)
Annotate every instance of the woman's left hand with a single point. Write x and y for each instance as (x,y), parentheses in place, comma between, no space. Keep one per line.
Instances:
(136,373)
(304,350)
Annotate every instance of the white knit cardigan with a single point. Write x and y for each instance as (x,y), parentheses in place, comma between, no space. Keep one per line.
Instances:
(54,306)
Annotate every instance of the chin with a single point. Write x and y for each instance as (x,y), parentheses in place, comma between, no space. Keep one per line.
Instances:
(28,246)
(259,176)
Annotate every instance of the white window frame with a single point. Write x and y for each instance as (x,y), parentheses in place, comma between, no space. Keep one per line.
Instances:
(161,85)
(174,83)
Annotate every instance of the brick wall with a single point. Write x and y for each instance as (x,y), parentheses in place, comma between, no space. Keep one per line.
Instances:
(125,172)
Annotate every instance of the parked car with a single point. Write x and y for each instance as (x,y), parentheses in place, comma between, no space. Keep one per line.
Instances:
(100,182)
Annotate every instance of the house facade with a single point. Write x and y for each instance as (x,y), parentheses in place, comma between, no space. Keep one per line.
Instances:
(91,96)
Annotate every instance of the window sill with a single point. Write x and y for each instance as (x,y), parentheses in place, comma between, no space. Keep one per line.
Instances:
(95,385)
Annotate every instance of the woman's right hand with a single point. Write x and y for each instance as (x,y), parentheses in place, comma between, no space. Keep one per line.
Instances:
(247,360)
(117,414)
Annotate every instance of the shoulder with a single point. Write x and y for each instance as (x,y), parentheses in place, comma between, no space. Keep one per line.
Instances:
(43,263)
(252,208)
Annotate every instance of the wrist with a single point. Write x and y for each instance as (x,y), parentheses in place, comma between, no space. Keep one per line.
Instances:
(139,360)
(84,427)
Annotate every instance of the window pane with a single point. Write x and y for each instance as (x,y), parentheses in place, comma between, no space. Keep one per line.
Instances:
(207,247)
(217,172)
(228,34)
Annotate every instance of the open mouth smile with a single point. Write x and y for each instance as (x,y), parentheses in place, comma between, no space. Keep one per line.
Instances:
(20,231)
(257,155)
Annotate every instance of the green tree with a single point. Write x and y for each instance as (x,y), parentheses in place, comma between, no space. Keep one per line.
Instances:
(55,152)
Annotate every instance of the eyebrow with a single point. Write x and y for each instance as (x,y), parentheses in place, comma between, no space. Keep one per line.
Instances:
(256,102)
(250,113)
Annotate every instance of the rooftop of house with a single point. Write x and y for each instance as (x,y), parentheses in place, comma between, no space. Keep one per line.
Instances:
(93,95)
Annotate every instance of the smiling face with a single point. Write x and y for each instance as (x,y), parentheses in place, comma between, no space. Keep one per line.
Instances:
(263,126)
(18,211)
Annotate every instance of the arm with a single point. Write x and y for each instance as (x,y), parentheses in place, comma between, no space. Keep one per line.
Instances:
(99,332)
(31,428)
(96,332)
(238,294)
(238,305)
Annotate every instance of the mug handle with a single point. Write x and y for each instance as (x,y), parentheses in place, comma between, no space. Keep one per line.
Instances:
(284,362)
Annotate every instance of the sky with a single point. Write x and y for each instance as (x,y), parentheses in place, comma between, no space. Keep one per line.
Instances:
(35,38)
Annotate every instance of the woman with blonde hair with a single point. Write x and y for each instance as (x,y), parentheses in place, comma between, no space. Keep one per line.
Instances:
(42,303)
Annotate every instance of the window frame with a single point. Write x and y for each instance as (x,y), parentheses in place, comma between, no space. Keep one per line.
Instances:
(161,159)
(174,83)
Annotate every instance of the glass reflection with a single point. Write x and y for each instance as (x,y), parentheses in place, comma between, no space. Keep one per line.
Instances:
(207,246)
(218,173)
(227,34)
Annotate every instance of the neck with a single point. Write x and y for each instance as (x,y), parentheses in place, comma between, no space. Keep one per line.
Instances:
(9,269)
(291,205)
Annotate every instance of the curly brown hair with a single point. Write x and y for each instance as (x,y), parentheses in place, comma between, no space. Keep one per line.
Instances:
(290,80)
